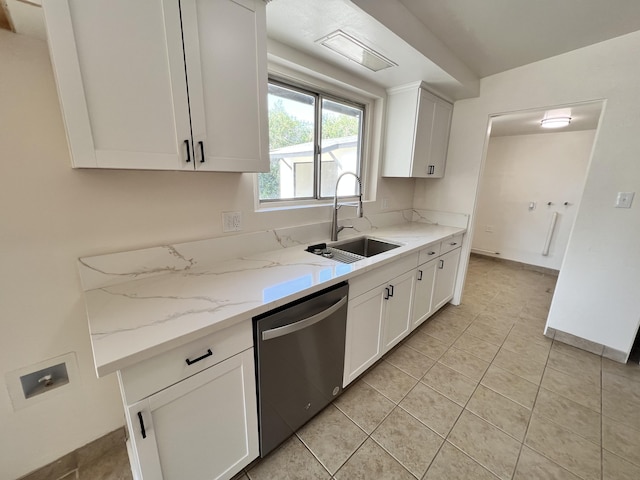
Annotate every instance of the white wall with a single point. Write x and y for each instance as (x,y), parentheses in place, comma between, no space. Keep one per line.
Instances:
(521,169)
(51,215)
(597,292)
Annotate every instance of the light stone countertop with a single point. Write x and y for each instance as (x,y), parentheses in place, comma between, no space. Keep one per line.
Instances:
(181,300)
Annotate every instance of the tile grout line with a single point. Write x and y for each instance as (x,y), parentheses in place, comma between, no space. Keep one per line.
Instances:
(533,406)
(601,421)
(418,382)
(561,426)
(467,403)
(464,407)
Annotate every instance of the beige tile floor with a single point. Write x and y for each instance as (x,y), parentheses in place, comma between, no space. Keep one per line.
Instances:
(477,392)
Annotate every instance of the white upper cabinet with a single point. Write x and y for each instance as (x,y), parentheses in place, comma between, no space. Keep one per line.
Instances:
(417,134)
(122,81)
(226,55)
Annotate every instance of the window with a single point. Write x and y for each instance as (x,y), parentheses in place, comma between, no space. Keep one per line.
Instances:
(303,168)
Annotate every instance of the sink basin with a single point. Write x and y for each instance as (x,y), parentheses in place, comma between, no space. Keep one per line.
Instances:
(364,246)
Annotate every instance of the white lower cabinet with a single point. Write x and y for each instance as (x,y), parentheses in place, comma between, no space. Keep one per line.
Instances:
(445,279)
(422,300)
(397,309)
(203,427)
(379,318)
(380,314)
(364,333)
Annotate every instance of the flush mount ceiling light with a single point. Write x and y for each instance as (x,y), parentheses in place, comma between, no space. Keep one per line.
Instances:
(555,122)
(348,46)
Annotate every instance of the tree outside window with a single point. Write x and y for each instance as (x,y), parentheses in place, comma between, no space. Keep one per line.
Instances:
(301,166)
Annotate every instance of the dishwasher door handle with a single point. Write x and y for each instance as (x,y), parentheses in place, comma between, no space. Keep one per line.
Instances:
(301,324)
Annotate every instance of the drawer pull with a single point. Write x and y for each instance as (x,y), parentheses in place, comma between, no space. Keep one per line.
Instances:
(431,253)
(208,354)
(441,266)
(201,144)
(186,144)
(453,243)
(142,430)
(419,275)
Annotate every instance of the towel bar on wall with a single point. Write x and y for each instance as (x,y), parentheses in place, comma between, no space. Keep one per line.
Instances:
(552,227)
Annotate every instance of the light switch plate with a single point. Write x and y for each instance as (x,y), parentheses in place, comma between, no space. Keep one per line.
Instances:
(624,199)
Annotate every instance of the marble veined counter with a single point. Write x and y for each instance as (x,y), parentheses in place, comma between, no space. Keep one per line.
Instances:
(146,302)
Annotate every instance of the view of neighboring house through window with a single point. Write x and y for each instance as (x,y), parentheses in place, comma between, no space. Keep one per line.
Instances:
(303,167)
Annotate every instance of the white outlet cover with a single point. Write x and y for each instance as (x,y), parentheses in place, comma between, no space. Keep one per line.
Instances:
(231,221)
(624,199)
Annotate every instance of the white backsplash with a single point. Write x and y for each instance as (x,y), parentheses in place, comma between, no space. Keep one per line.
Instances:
(111,269)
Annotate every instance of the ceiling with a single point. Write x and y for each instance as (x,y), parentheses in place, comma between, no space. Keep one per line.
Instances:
(584,116)
(491,36)
(451,44)
(448,44)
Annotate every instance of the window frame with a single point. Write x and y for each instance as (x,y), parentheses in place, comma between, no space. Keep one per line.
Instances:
(319,95)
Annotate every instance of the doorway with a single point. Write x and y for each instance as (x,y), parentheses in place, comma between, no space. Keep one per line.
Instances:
(531,183)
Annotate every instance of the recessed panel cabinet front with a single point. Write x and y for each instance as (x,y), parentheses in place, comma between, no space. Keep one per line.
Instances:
(397,316)
(363,344)
(425,280)
(202,428)
(226,54)
(122,82)
(446,269)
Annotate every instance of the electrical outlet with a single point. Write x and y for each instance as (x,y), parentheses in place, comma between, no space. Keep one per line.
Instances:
(624,199)
(231,221)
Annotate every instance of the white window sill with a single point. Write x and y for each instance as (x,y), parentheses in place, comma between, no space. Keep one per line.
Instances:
(279,206)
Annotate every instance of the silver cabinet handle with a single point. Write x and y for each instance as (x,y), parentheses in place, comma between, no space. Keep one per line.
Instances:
(304,323)
(419,275)
(441,266)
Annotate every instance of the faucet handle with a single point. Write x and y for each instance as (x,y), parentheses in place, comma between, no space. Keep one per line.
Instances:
(342,227)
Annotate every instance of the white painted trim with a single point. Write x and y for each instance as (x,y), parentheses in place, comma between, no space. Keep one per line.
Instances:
(73,103)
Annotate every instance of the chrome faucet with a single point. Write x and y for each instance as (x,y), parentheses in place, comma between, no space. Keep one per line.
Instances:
(335,229)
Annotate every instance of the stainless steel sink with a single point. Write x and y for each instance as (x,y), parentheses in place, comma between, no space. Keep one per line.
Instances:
(364,246)
(352,250)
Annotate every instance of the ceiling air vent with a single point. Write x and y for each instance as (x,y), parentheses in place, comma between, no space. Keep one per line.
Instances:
(350,47)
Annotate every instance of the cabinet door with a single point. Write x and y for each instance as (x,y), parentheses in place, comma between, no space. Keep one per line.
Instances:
(119,69)
(423,135)
(204,427)
(422,304)
(397,309)
(226,58)
(364,333)
(439,139)
(447,267)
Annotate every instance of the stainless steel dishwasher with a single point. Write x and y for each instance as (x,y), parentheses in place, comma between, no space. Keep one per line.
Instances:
(299,362)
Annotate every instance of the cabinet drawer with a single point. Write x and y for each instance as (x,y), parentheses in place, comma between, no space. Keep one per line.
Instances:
(152,375)
(429,253)
(451,244)
(378,276)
